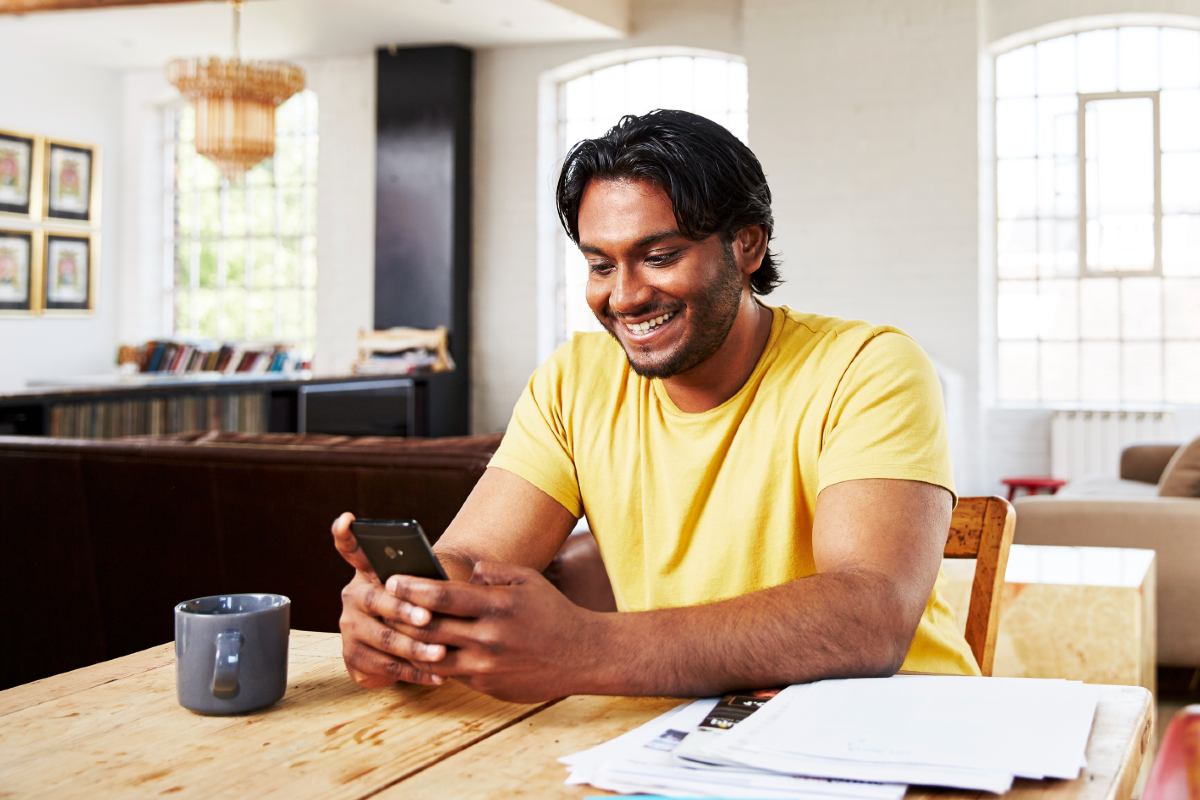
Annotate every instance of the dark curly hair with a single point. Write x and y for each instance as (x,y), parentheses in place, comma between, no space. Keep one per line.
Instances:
(715,182)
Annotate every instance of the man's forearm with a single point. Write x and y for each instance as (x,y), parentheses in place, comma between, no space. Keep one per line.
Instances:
(828,625)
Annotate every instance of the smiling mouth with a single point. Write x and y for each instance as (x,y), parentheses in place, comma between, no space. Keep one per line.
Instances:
(647,327)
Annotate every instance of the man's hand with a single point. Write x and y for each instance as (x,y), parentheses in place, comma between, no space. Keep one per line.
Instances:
(375,652)
(508,632)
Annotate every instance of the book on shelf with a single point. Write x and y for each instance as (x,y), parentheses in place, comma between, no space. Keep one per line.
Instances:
(178,357)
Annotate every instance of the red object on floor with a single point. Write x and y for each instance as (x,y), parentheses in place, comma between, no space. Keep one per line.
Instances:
(1032,485)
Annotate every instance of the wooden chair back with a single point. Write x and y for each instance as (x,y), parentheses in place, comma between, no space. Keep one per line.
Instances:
(982,528)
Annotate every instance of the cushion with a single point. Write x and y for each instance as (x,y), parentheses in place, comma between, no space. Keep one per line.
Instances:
(1181,478)
(1099,486)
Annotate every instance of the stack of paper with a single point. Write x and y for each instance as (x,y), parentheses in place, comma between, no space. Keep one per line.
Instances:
(641,761)
(857,738)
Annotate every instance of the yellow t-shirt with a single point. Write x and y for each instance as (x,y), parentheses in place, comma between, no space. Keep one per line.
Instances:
(691,508)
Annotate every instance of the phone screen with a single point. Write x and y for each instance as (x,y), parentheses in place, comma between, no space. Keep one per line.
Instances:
(397,547)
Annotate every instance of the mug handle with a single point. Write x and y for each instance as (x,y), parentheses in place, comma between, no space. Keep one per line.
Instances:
(225,671)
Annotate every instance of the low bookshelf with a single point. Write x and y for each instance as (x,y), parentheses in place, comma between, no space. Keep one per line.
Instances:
(100,408)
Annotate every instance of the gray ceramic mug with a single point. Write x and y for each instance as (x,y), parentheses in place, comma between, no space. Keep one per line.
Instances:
(231,652)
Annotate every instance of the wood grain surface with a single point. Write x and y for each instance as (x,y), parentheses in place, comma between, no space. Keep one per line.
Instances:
(522,760)
(116,730)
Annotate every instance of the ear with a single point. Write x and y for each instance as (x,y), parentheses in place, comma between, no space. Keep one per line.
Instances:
(749,248)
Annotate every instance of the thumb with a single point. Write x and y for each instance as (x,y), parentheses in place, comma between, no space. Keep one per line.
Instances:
(496,573)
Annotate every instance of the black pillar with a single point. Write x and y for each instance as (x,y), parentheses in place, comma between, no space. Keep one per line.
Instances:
(423,209)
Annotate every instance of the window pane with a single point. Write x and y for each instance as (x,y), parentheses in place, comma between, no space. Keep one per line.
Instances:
(1181,245)
(1015,73)
(1056,132)
(1098,308)
(208,275)
(1060,372)
(1017,249)
(1058,309)
(677,80)
(235,211)
(1137,50)
(1057,187)
(1141,308)
(1018,362)
(1056,66)
(261,316)
(1058,249)
(1120,184)
(712,87)
(1180,112)
(1017,310)
(1180,182)
(1182,372)
(1180,58)
(1097,52)
(1016,188)
(1141,372)
(1100,374)
(233,314)
(1016,128)
(1182,299)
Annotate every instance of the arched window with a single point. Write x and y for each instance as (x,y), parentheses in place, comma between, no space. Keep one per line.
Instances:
(1098,218)
(243,254)
(588,100)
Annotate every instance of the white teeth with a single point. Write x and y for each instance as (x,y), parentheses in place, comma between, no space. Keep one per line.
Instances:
(650,324)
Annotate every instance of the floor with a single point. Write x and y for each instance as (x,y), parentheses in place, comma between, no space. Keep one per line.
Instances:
(1177,687)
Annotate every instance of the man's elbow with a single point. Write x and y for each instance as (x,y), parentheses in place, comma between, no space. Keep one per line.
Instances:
(896,627)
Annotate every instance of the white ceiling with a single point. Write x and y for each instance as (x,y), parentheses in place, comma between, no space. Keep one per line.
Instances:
(148,36)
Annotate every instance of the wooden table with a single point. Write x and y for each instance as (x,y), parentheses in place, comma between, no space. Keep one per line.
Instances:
(115,730)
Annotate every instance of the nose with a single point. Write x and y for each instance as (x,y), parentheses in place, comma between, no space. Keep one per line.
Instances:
(630,292)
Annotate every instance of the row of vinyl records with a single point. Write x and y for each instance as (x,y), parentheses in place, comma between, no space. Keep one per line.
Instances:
(175,357)
(245,412)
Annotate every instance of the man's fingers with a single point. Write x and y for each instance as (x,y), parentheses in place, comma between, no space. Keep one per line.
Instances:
(396,641)
(449,597)
(365,660)
(442,630)
(347,545)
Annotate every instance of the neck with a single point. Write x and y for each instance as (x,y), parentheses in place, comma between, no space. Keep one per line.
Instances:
(709,384)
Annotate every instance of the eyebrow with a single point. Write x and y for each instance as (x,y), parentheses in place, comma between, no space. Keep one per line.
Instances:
(645,241)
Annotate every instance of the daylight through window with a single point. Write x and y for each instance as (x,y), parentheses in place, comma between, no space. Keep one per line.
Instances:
(243,254)
(1098,229)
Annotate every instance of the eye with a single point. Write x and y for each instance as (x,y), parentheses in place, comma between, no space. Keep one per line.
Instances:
(599,267)
(662,259)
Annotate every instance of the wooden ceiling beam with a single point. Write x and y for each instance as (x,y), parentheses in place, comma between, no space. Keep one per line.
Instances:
(35,6)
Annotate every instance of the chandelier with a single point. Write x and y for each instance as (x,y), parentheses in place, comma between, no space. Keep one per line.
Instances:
(235,103)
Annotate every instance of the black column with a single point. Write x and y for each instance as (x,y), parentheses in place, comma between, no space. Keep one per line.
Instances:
(423,209)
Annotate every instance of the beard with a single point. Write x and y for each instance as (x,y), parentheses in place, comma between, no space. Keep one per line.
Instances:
(710,318)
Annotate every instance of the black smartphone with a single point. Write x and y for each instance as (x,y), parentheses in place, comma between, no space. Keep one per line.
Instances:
(397,547)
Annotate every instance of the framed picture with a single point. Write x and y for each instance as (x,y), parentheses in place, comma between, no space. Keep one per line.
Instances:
(18,278)
(18,168)
(72,182)
(69,271)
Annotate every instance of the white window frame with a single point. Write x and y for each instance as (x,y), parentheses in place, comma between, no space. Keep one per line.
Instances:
(990,211)
(305,344)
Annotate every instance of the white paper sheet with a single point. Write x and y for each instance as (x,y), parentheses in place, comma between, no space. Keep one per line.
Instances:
(949,731)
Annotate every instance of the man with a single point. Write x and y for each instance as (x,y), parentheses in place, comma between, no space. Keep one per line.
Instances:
(770,490)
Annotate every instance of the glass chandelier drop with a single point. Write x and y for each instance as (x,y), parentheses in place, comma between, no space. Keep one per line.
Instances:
(235,102)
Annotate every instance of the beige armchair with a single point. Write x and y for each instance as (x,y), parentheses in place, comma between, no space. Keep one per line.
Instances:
(1129,512)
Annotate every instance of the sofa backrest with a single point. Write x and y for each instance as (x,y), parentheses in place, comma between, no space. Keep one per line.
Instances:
(106,536)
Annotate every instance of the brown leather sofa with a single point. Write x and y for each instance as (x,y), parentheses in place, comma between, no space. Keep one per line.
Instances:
(103,538)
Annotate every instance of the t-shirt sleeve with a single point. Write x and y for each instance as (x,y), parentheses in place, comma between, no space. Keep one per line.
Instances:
(886,418)
(537,444)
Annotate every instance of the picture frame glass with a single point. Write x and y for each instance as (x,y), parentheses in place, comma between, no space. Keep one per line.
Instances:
(70,181)
(67,271)
(16,172)
(16,270)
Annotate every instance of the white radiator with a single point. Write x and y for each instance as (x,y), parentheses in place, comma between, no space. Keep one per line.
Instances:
(1089,442)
